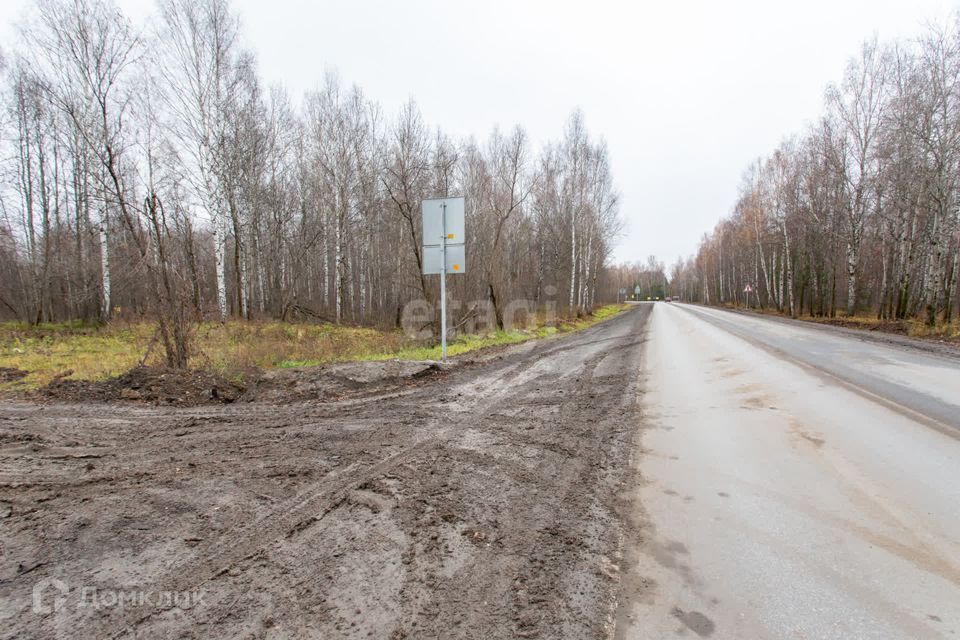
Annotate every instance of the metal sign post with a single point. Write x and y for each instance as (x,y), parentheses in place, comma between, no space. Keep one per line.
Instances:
(443,248)
(443,282)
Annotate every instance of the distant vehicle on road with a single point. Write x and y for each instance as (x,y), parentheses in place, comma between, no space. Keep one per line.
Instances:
(668,299)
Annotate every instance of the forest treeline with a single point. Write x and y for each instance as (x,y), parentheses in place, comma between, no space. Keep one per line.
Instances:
(859,213)
(148,170)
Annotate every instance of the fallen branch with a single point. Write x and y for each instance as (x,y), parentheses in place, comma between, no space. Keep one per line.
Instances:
(469,314)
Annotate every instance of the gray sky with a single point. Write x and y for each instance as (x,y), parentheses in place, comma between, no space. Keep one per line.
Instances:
(685,93)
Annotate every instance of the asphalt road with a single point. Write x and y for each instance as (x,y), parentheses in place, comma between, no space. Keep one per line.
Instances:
(798,482)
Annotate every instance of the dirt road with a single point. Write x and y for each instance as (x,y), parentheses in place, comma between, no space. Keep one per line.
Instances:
(479,505)
(798,482)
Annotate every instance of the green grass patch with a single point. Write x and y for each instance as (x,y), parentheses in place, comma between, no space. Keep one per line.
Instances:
(70,350)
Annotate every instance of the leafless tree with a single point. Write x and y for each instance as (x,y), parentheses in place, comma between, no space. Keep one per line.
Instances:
(151,172)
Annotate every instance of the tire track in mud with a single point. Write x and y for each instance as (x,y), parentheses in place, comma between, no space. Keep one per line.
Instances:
(525,569)
(567,439)
(492,580)
(328,493)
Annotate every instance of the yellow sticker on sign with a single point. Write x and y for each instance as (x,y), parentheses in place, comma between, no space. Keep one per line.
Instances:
(449,236)
(456,267)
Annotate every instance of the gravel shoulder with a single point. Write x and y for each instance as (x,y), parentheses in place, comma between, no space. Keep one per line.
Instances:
(479,501)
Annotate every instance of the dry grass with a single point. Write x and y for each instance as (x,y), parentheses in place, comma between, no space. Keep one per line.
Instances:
(70,350)
(910,327)
(232,349)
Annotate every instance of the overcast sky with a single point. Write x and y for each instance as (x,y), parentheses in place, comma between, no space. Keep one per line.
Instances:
(685,94)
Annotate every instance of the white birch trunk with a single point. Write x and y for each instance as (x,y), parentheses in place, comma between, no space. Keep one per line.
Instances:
(586,275)
(338,276)
(220,253)
(104,268)
(261,302)
(934,269)
(788,269)
(720,252)
(363,282)
(326,271)
(573,260)
(244,282)
(852,260)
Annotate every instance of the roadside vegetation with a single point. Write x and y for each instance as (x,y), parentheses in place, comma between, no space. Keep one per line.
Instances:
(32,356)
(910,327)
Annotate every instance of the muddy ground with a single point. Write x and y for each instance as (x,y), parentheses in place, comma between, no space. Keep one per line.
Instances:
(193,388)
(476,502)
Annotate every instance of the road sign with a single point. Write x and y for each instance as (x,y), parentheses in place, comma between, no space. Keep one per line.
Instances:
(444,234)
(748,289)
(455,255)
(443,225)
(636,290)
